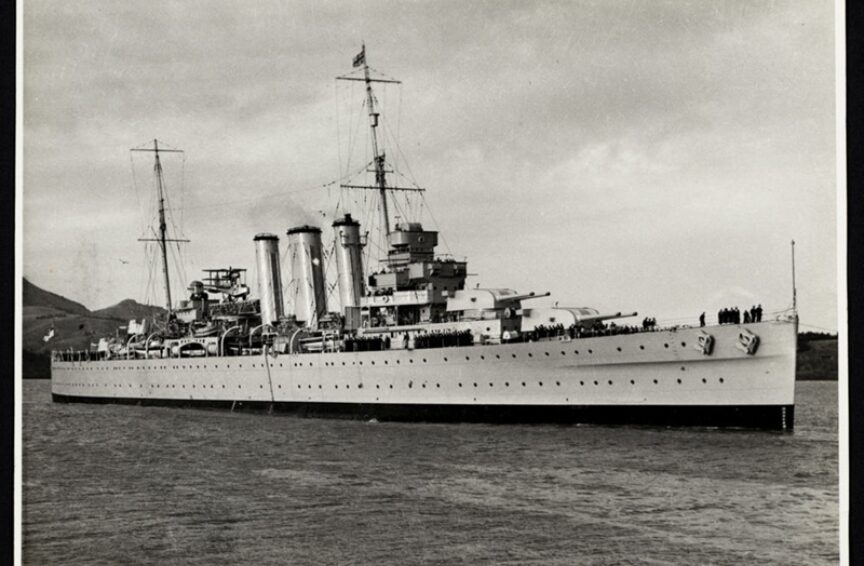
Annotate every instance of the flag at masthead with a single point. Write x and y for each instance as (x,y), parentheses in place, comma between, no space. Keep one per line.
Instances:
(360,58)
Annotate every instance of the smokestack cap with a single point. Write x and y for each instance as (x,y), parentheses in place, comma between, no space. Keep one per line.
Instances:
(266,236)
(346,221)
(303,229)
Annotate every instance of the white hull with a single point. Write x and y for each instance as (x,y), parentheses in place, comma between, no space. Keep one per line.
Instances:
(660,369)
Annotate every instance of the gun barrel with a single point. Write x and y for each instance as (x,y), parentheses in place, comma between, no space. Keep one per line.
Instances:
(528,296)
(598,317)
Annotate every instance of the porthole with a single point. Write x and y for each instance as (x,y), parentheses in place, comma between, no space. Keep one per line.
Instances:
(558,383)
(497,356)
(506,384)
(721,380)
(360,362)
(547,353)
(704,380)
(523,384)
(679,381)
(481,357)
(530,355)
(610,382)
(319,386)
(373,362)
(596,383)
(655,382)
(460,385)
(391,386)
(410,361)
(385,362)
(423,386)
(576,352)
(397,361)
(445,359)
(683,344)
(618,348)
(377,386)
(563,353)
(491,384)
(540,383)
(336,386)
(347,386)
(682,368)
(590,351)
(438,385)
(475,384)
(514,356)
(424,360)
(665,345)
(359,386)
(467,359)
(300,386)
(410,385)
(632,382)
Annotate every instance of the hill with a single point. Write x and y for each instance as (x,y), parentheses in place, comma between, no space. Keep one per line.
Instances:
(129,309)
(74,325)
(37,297)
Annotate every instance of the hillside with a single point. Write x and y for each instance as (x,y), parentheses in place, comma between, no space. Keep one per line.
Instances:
(74,325)
(129,309)
(37,297)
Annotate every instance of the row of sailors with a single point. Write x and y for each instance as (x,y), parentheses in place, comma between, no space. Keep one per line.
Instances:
(443,339)
(578,331)
(733,315)
(366,343)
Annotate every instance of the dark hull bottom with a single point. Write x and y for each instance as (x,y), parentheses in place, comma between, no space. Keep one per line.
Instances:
(770,417)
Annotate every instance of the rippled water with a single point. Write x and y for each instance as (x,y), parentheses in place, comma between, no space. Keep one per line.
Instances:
(143,485)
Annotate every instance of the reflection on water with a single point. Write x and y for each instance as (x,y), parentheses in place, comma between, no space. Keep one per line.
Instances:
(146,485)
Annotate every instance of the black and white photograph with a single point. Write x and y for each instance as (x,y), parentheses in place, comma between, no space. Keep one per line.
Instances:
(553,282)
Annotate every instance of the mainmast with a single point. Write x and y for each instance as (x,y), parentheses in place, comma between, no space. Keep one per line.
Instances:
(378,159)
(163,226)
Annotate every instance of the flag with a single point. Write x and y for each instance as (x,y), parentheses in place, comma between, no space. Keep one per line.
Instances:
(360,58)
(48,336)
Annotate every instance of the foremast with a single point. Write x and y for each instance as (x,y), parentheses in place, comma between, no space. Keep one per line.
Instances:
(379,158)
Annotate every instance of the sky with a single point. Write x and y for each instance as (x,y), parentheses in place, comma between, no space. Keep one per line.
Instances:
(650,156)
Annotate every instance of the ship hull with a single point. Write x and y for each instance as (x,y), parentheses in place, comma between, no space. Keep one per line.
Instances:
(769,417)
(652,378)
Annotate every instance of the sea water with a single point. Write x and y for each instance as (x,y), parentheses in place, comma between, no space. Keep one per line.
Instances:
(107,484)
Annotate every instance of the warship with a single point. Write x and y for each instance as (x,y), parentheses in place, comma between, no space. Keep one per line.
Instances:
(408,341)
